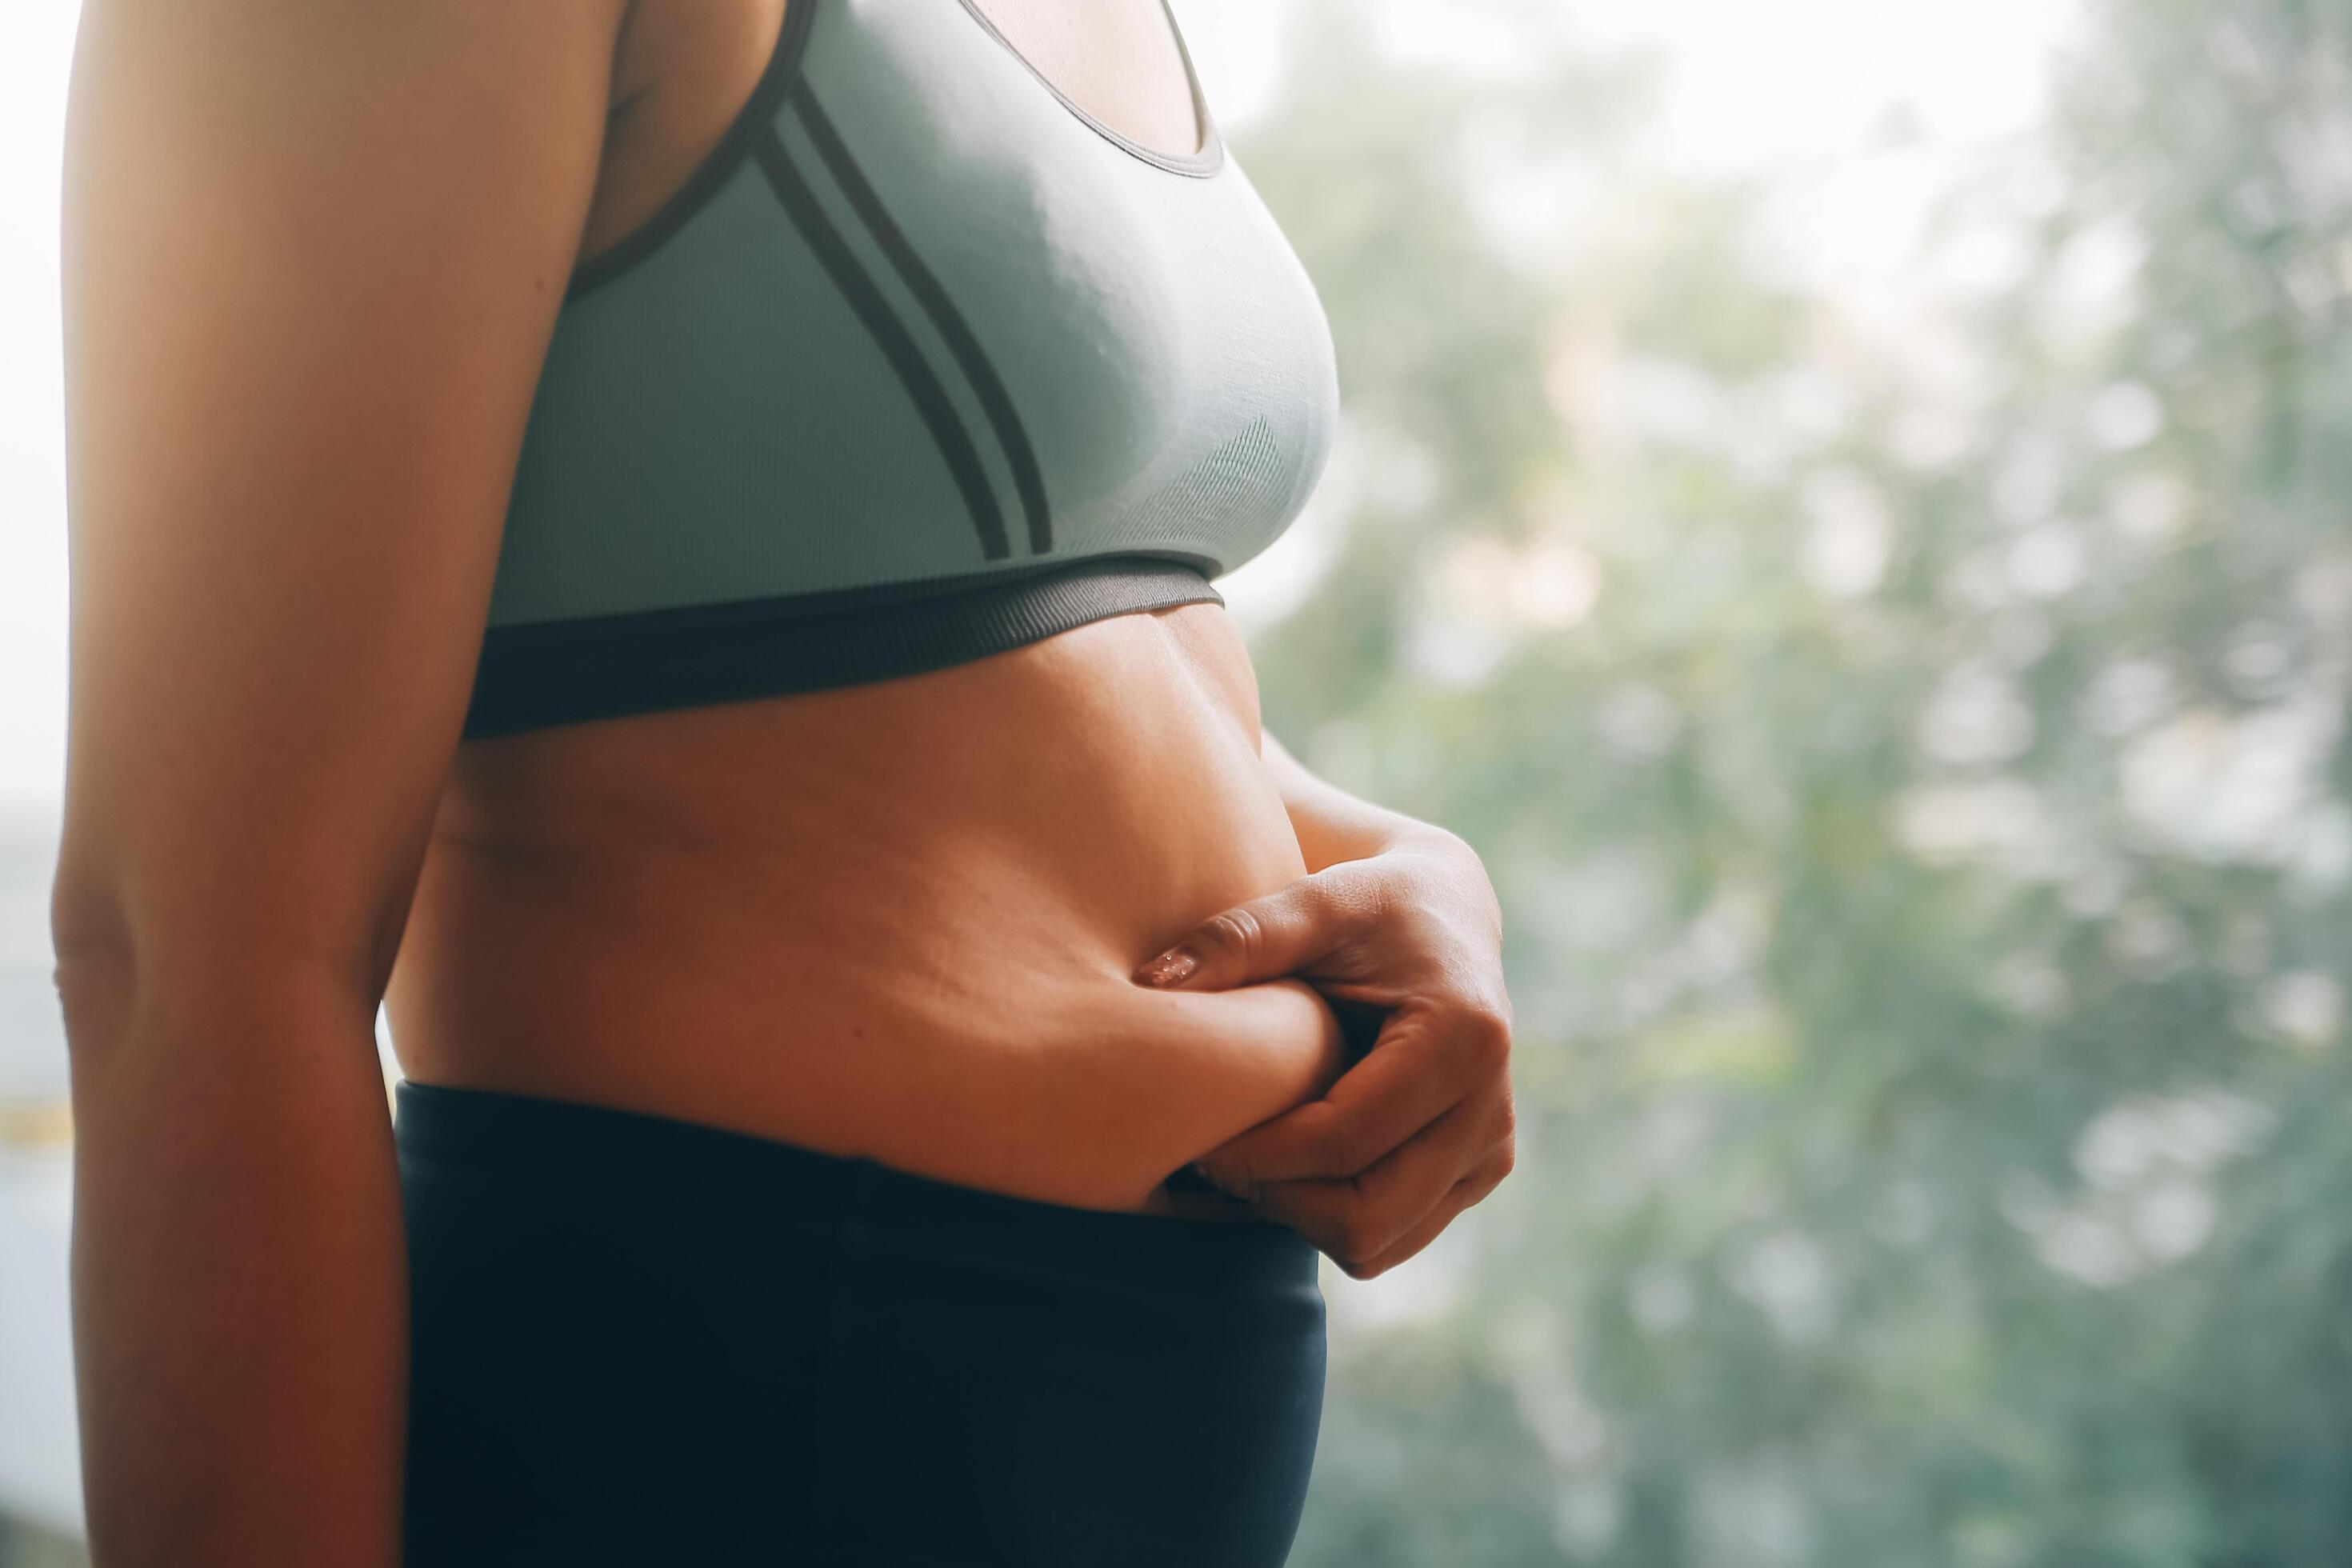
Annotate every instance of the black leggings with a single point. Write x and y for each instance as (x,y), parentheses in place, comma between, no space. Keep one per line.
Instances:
(642,1341)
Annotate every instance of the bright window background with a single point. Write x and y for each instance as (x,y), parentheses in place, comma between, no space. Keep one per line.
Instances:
(1842,503)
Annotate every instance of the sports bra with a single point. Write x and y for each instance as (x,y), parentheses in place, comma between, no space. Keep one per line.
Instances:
(921,364)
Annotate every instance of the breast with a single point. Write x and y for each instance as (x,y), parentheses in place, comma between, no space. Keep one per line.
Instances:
(924,324)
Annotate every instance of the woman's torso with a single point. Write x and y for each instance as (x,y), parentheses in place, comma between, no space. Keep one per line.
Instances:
(896,919)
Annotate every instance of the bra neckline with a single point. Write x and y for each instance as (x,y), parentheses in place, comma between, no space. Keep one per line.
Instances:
(759,106)
(1206,161)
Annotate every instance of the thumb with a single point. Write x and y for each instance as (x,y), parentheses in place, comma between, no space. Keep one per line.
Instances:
(1280,934)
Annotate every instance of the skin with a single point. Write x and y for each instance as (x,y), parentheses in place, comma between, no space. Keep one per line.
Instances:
(1119,62)
(314,256)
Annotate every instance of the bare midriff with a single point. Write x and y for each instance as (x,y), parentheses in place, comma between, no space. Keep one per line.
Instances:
(896,920)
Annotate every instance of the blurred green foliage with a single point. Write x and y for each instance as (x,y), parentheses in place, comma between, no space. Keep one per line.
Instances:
(1911,751)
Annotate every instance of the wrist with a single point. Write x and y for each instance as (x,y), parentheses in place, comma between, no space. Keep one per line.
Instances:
(1464,869)
(1421,839)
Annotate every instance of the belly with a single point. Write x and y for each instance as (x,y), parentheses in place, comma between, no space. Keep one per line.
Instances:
(894,921)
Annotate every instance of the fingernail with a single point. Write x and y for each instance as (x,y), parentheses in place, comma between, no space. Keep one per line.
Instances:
(1168,968)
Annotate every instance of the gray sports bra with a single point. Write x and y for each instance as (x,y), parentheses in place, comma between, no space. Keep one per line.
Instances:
(923,363)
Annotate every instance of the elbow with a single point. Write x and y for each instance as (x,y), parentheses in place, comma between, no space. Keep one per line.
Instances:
(134,975)
(92,964)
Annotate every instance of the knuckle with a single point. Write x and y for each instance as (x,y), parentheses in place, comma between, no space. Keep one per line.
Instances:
(1507,1159)
(1486,1034)
(1241,929)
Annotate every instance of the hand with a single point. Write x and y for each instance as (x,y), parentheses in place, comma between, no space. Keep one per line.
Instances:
(1420,1127)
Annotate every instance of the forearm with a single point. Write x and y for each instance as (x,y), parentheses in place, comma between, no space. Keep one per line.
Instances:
(239,1281)
(1333,825)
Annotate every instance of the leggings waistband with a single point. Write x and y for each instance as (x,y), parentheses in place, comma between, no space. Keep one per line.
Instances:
(648,1156)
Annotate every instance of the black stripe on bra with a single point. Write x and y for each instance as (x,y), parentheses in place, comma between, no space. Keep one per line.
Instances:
(890,334)
(995,400)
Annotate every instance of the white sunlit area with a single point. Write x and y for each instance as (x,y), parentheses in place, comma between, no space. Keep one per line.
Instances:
(40,1509)
(1840,504)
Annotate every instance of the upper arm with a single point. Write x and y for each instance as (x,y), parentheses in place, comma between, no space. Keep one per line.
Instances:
(313,253)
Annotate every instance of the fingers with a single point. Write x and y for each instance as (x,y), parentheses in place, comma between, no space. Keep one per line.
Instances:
(1469,1190)
(1278,934)
(1370,1110)
(1410,1194)
(1423,1064)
